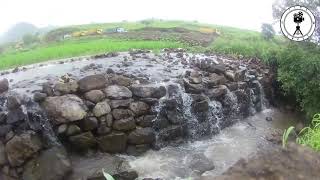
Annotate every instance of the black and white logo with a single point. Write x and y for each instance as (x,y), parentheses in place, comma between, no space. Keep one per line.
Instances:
(297,23)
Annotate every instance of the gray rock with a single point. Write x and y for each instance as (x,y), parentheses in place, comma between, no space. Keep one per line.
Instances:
(103,129)
(139,108)
(39,97)
(136,150)
(118,92)
(230,75)
(13,102)
(148,91)
(4,129)
(22,147)
(92,82)
(120,103)
(171,133)
(16,116)
(219,69)
(3,156)
(62,129)
(66,88)
(73,130)
(52,164)
(122,113)
(124,124)
(142,136)
(193,88)
(200,163)
(217,92)
(65,108)
(215,80)
(47,89)
(120,80)
(146,121)
(113,143)
(89,124)
(83,141)
(102,108)
(94,96)
(4,85)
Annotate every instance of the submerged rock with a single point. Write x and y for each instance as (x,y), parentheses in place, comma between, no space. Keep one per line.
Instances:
(142,136)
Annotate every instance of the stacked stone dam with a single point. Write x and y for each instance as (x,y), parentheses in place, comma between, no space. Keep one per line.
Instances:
(118,113)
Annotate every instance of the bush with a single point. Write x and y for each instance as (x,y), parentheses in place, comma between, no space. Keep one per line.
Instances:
(267,31)
(299,73)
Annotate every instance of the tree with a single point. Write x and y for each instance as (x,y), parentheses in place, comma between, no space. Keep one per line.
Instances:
(29,39)
(267,31)
(146,22)
(313,5)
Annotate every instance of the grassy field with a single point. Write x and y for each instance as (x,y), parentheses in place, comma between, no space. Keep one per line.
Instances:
(78,48)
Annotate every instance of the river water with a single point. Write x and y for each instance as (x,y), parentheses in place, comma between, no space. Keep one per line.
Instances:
(241,140)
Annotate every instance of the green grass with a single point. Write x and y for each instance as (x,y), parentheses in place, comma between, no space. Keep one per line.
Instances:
(308,136)
(78,48)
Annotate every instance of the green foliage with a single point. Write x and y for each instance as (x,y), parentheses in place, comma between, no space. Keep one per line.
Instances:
(285,136)
(298,71)
(267,31)
(57,34)
(30,39)
(107,176)
(308,136)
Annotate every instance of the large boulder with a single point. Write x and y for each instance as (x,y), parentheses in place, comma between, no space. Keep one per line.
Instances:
(124,124)
(52,164)
(22,147)
(94,96)
(102,108)
(193,88)
(118,92)
(113,143)
(65,108)
(148,91)
(217,92)
(88,83)
(4,85)
(139,108)
(142,136)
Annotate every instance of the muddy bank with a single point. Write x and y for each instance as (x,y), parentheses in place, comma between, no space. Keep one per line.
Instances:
(127,103)
(295,162)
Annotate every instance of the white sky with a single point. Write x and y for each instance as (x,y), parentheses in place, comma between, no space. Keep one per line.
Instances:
(248,14)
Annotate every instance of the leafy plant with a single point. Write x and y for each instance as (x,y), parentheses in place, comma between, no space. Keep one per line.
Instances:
(285,136)
(309,136)
(107,176)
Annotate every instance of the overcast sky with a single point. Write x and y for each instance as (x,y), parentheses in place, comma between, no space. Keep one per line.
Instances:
(248,14)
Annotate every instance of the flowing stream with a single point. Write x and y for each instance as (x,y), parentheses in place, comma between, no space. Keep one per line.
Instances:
(241,140)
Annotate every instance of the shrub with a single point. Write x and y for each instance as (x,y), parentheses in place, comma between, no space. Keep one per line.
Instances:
(299,73)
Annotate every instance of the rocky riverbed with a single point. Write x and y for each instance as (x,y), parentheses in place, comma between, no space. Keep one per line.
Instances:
(68,119)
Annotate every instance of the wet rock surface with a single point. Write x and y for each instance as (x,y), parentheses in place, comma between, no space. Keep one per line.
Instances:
(123,103)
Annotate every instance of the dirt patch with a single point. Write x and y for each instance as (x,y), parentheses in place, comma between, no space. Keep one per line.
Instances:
(295,162)
(193,38)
